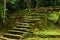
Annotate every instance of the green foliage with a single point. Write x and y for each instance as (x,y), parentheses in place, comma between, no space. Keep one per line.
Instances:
(1,11)
(36,31)
(15,5)
(11,6)
(44,3)
(54,16)
(33,38)
(1,8)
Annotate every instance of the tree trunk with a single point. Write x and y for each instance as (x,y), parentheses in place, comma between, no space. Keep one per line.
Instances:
(4,13)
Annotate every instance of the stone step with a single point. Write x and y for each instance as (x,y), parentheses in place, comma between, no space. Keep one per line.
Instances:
(23,23)
(34,13)
(4,38)
(12,36)
(18,29)
(23,27)
(27,21)
(17,32)
(34,16)
(32,19)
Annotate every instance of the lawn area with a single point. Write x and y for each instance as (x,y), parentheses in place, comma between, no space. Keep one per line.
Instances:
(36,32)
(37,38)
(47,32)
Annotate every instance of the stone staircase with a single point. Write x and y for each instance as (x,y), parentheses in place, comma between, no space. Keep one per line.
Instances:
(32,17)
(22,29)
(18,32)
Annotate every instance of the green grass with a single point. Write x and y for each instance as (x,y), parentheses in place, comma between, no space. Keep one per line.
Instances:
(47,32)
(37,38)
(36,32)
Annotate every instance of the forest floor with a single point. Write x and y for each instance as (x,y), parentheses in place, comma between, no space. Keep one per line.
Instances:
(37,32)
(51,32)
(37,38)
(45,32)
(2,32)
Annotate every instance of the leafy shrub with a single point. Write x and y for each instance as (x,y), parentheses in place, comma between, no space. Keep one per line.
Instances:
(54,16)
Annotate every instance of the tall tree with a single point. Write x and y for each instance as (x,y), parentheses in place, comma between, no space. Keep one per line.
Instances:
(4,13)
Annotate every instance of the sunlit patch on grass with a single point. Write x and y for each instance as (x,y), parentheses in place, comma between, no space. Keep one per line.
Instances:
(33,38)
(46,32)
(38,38)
